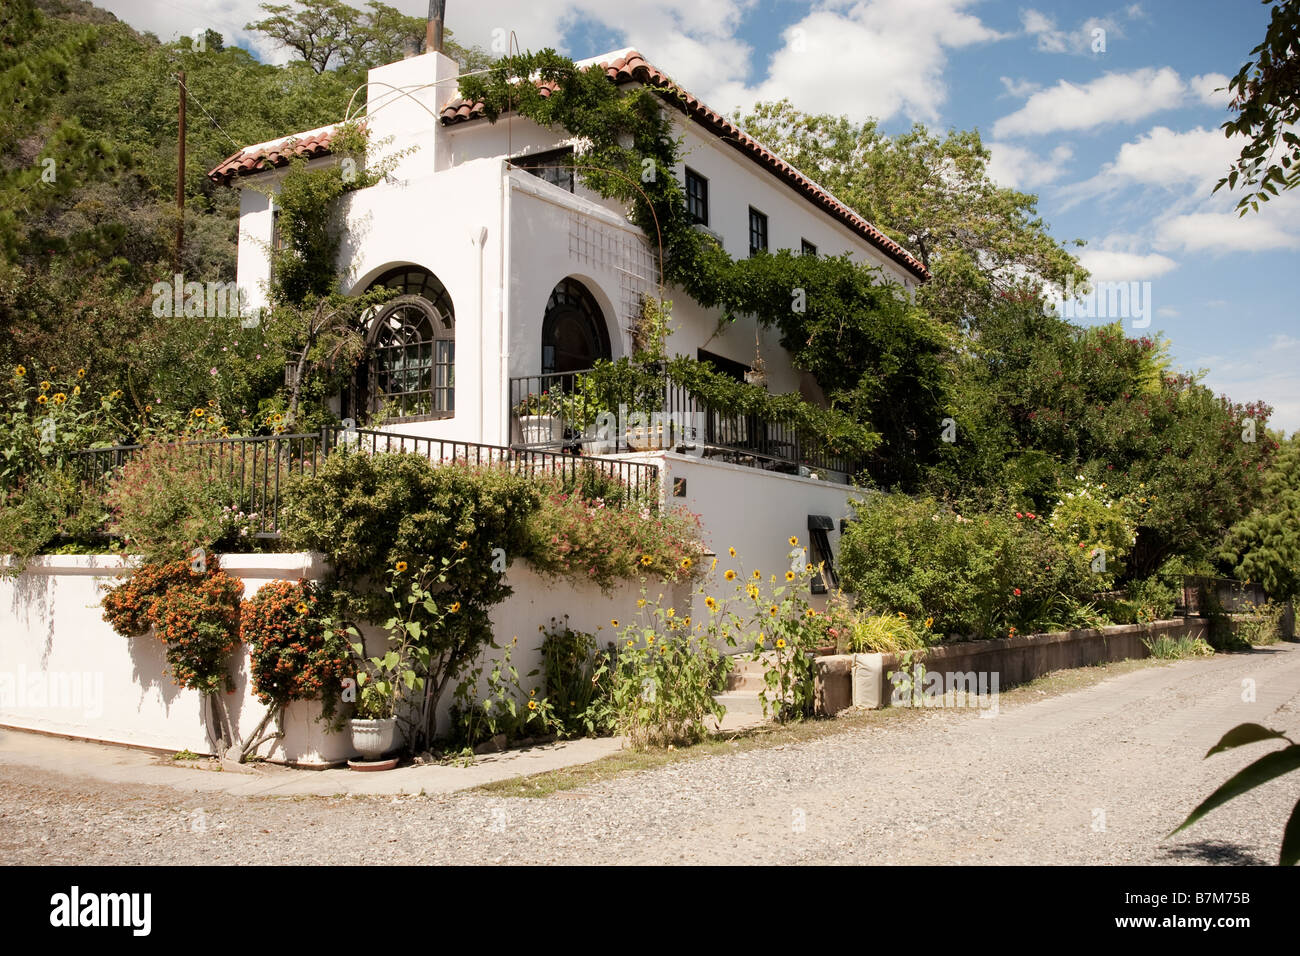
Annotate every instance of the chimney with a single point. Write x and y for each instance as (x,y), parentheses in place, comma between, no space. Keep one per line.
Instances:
(433,31)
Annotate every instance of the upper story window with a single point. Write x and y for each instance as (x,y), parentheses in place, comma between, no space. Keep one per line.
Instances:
(277,237)
(697,197)
(555,166)
(757,231)
(808,249)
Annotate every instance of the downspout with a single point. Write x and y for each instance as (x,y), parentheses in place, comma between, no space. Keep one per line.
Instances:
(480,239)
(503,273)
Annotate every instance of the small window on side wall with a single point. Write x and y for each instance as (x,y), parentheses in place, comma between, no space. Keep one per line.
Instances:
(697,197)
(554,166)
(808,249)
(757,231)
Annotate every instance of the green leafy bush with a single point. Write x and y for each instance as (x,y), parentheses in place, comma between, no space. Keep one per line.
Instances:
(1089,518)
(49,505)
(576,678)
(980,575)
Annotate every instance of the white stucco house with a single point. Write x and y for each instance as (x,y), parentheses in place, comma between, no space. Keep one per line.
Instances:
(511,271)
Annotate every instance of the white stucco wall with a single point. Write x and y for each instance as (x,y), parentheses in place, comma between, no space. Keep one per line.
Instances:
(51,619)
(117,690)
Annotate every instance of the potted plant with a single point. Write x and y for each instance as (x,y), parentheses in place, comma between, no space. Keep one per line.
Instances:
(538,421)
(374,722)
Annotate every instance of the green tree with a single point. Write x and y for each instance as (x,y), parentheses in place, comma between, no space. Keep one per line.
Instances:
(330,34)
(1265,545)
(1266,99)
(932,195)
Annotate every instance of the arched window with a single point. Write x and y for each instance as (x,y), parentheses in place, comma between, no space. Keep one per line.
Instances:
(574,335)
(411,349)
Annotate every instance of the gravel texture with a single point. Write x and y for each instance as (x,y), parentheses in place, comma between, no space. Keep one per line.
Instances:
(1093,776)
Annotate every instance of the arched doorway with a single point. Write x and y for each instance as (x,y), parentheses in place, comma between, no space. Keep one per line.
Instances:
(410,365)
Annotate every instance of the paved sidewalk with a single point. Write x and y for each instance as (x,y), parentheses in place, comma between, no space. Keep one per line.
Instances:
(128,765)
(119,764)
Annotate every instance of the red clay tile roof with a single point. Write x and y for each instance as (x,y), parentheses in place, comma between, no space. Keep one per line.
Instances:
(633,67)
(255,159)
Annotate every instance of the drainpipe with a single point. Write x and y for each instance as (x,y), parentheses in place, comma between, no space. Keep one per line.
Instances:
(503,278)
(479,238)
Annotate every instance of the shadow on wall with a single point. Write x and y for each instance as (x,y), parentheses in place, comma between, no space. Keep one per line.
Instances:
(33,598)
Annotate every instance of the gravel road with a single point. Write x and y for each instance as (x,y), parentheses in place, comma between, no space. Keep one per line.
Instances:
(1097,775)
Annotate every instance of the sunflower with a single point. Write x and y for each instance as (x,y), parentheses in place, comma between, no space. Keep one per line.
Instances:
(730,575)
(780,643)
(455,607)
(41,399)
(731,551)
(794,542)
(646,560)
(686,564)
(758,575)
(812,613)
(302,607)
(400,566)
(76,390)
(773,610)
(198,413)
(789,575)
(640,602)
(650,639)
(81,373)
(532,705)
(277,417)
(462,546)
(671,612)
(19,371)
(710,603)
(45,385)
(613,622)
(929,621)
(59,398)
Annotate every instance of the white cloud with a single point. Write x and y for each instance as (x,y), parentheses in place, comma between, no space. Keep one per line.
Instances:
(1211,88)
(1020,88)
(1224,232)
(1111,98)
(1083,39)
(1018,168)
(889,58)
(1107,265)
(1167,312)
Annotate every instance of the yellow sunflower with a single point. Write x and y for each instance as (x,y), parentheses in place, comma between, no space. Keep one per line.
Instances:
(302,607)
(455,607)
(19,371)
(773,610)
(789,575)
(59,398)
(686,564)
(640,602)
(710,603)
(780,643)
(731,551)
(400,566)
(758,575)
(81,373)
(646,560)
(730,575)
(45,386)
(41,399)
(613,622)
(794,542)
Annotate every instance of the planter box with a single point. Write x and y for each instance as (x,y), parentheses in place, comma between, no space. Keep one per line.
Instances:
(541,429)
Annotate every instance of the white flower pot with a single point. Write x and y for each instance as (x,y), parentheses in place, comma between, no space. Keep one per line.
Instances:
(541,429)
(374,738)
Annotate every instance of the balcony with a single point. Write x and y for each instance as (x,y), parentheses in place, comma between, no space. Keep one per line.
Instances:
(554,412)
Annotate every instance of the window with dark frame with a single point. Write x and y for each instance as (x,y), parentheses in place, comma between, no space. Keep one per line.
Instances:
(819,554)
(697,197)
(554,166)
(757,231)
(411,350)
(808,249)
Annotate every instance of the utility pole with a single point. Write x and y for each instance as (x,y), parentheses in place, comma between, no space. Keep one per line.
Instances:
(180,173)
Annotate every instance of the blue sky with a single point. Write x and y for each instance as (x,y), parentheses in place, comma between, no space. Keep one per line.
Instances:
(1122,144)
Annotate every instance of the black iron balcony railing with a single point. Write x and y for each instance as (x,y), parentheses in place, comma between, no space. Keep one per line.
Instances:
(257,467)
(553,412)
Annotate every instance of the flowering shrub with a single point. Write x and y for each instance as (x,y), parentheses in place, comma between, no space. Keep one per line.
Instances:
(168,500)
(587,541)
(293,652)
(664,676)
(195,614)
(1096,522)
(975,575)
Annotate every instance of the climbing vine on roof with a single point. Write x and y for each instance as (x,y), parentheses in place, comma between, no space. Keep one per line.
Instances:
(879,360)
